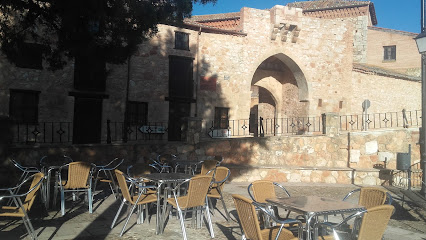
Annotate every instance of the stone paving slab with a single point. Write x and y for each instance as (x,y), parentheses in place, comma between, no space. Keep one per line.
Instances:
(408,222)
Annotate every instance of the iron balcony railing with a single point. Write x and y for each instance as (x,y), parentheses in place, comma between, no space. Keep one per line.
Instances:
(131,132)
(363,122)
(263,127)
(43,132)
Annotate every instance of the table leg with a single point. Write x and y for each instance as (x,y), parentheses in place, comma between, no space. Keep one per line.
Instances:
(158,217)
(48,188)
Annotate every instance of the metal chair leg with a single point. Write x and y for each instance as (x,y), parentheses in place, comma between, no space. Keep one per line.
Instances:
(127,219)
(182,224)
(62,202)
(90,198)
(118,213)
(209,220)
(224,206)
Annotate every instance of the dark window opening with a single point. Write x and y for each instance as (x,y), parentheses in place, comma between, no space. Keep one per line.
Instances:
(137,113)
(221,119)
(23,106)
(89,71)
(389,53)
(181,40)
(29,55)
(181,78)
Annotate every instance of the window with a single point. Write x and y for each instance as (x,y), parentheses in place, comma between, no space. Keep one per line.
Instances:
(389,53)
(23,106)
(182,40)
(137,113)
(90,71)
(29,55)
(221,120)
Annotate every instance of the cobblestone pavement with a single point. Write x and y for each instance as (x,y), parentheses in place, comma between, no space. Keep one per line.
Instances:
(408,222)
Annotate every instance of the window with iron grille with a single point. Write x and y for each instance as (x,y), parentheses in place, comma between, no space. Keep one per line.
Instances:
(389,53)
(23,106)
(181,40)
(221,119)
(137,113)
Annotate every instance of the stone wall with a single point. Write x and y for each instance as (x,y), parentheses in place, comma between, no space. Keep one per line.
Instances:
(359,157)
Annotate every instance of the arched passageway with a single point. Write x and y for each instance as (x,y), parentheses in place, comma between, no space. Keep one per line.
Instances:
(278,90)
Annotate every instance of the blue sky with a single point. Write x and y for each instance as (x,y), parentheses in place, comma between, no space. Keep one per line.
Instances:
(395,14)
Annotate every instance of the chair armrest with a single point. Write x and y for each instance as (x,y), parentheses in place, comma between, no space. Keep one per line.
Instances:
(344,221)
(282,188)
(350,193)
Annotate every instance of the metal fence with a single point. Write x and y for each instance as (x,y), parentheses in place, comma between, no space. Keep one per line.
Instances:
(363,122)
(406,180)
(43,132)
(263,127)
(119,132)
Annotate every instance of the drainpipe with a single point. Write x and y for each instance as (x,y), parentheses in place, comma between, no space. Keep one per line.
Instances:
(125,125)
(197,75)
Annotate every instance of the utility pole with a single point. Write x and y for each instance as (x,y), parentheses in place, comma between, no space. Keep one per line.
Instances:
(423,131)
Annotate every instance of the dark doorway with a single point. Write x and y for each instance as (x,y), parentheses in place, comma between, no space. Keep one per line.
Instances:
(87,120)
(181,90)
(178,112)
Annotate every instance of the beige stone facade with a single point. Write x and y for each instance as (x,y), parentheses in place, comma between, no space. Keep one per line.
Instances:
(300,65)
(275,63)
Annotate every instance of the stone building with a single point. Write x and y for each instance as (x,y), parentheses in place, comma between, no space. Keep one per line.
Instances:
(303,59)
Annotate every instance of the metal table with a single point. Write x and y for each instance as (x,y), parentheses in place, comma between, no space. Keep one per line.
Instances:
(47,167)
(163,179)
(312,207)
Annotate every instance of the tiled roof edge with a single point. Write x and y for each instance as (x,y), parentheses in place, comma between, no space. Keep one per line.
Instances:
(393,31)
(360,4)
(214,17)
(198,26)
(364,68)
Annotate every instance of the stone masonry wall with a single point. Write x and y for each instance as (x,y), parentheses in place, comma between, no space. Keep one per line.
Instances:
(358,157)
(385,94)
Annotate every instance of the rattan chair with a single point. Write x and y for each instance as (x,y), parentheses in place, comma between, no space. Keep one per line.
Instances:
(208,165)
(250,224)
(220,176)
(26,171)
(138,200)
(371,196)
(79,180)
(261,190)
(373,224)
(21,208)
(105,174)
(196,197)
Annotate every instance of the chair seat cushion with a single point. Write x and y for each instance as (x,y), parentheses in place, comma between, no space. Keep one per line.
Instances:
(213,193)
(7,211)
(181,200)
(145,198)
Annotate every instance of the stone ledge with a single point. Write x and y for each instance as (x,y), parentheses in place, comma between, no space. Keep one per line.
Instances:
(234,166)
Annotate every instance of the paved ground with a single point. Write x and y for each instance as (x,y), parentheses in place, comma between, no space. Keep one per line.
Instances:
(408,222)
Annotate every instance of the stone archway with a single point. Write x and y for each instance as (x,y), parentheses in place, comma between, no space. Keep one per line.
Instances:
(279,89)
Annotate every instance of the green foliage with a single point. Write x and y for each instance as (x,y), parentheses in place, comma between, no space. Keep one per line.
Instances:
(69,27)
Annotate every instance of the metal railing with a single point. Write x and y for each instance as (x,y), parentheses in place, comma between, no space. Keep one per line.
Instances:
(360,122)
(119,132)
(263,127)
(402,178)
(43,132)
